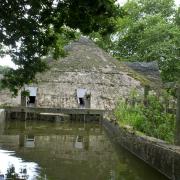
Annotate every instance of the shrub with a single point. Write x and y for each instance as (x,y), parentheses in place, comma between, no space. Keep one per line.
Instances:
(152,119)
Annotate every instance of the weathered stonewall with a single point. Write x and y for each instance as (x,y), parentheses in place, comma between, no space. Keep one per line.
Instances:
(163,157)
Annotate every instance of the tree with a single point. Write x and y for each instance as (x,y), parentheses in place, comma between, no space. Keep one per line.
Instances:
(30,30)
(177,16)
(149,31)
(3,69)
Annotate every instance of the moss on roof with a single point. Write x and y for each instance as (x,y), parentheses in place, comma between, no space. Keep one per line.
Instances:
(85,55)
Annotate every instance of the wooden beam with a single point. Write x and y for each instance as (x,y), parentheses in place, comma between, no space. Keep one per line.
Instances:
(55,110)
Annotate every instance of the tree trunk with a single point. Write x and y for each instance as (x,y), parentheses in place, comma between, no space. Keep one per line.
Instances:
(177,128)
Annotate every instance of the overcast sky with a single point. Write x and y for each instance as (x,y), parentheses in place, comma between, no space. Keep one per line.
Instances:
(123,1)
(6,61)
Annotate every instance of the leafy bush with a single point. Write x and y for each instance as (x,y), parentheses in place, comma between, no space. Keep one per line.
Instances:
(3,70)
(152,119)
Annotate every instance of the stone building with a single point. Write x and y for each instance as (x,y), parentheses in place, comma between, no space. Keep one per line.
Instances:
(87,77)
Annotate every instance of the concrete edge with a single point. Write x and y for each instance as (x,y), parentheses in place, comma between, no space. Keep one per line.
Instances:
(163,157)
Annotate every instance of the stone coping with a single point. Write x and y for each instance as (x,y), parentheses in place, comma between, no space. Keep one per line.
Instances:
(158,154)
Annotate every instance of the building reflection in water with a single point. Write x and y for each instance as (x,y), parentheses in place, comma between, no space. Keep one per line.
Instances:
(29,141)
(59,148)
(79,142)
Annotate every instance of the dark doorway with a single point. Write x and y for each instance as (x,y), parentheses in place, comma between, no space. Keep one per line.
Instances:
(32,99)
(81,102)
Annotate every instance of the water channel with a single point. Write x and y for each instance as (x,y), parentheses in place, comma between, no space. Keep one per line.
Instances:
(66,151)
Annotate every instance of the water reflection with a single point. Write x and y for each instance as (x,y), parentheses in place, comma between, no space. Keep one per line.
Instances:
(67,151)
(29,141)
(2,119)
(12,167)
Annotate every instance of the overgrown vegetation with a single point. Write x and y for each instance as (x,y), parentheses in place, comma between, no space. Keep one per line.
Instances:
(148,31)
(153,119)
(31,30)
(3,70)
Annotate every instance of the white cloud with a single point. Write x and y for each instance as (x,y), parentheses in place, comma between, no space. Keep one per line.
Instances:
(177,2)
(6,61)
(121,2)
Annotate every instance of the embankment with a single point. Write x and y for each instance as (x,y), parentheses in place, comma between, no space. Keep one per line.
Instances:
(163,157)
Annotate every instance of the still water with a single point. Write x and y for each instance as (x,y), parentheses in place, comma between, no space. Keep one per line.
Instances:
(66,151)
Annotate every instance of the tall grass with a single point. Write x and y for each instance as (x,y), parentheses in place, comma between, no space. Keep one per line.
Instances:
(152,119)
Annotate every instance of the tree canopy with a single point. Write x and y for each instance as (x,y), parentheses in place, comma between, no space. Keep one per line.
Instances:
(3,69)
(149,31)
(31,29)
(141,30)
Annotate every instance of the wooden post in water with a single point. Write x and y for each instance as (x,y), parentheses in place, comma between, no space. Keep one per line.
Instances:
(177,130)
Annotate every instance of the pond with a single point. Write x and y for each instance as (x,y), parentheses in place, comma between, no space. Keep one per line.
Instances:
(66,151)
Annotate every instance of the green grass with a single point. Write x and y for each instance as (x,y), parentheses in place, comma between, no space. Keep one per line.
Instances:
(152,120)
